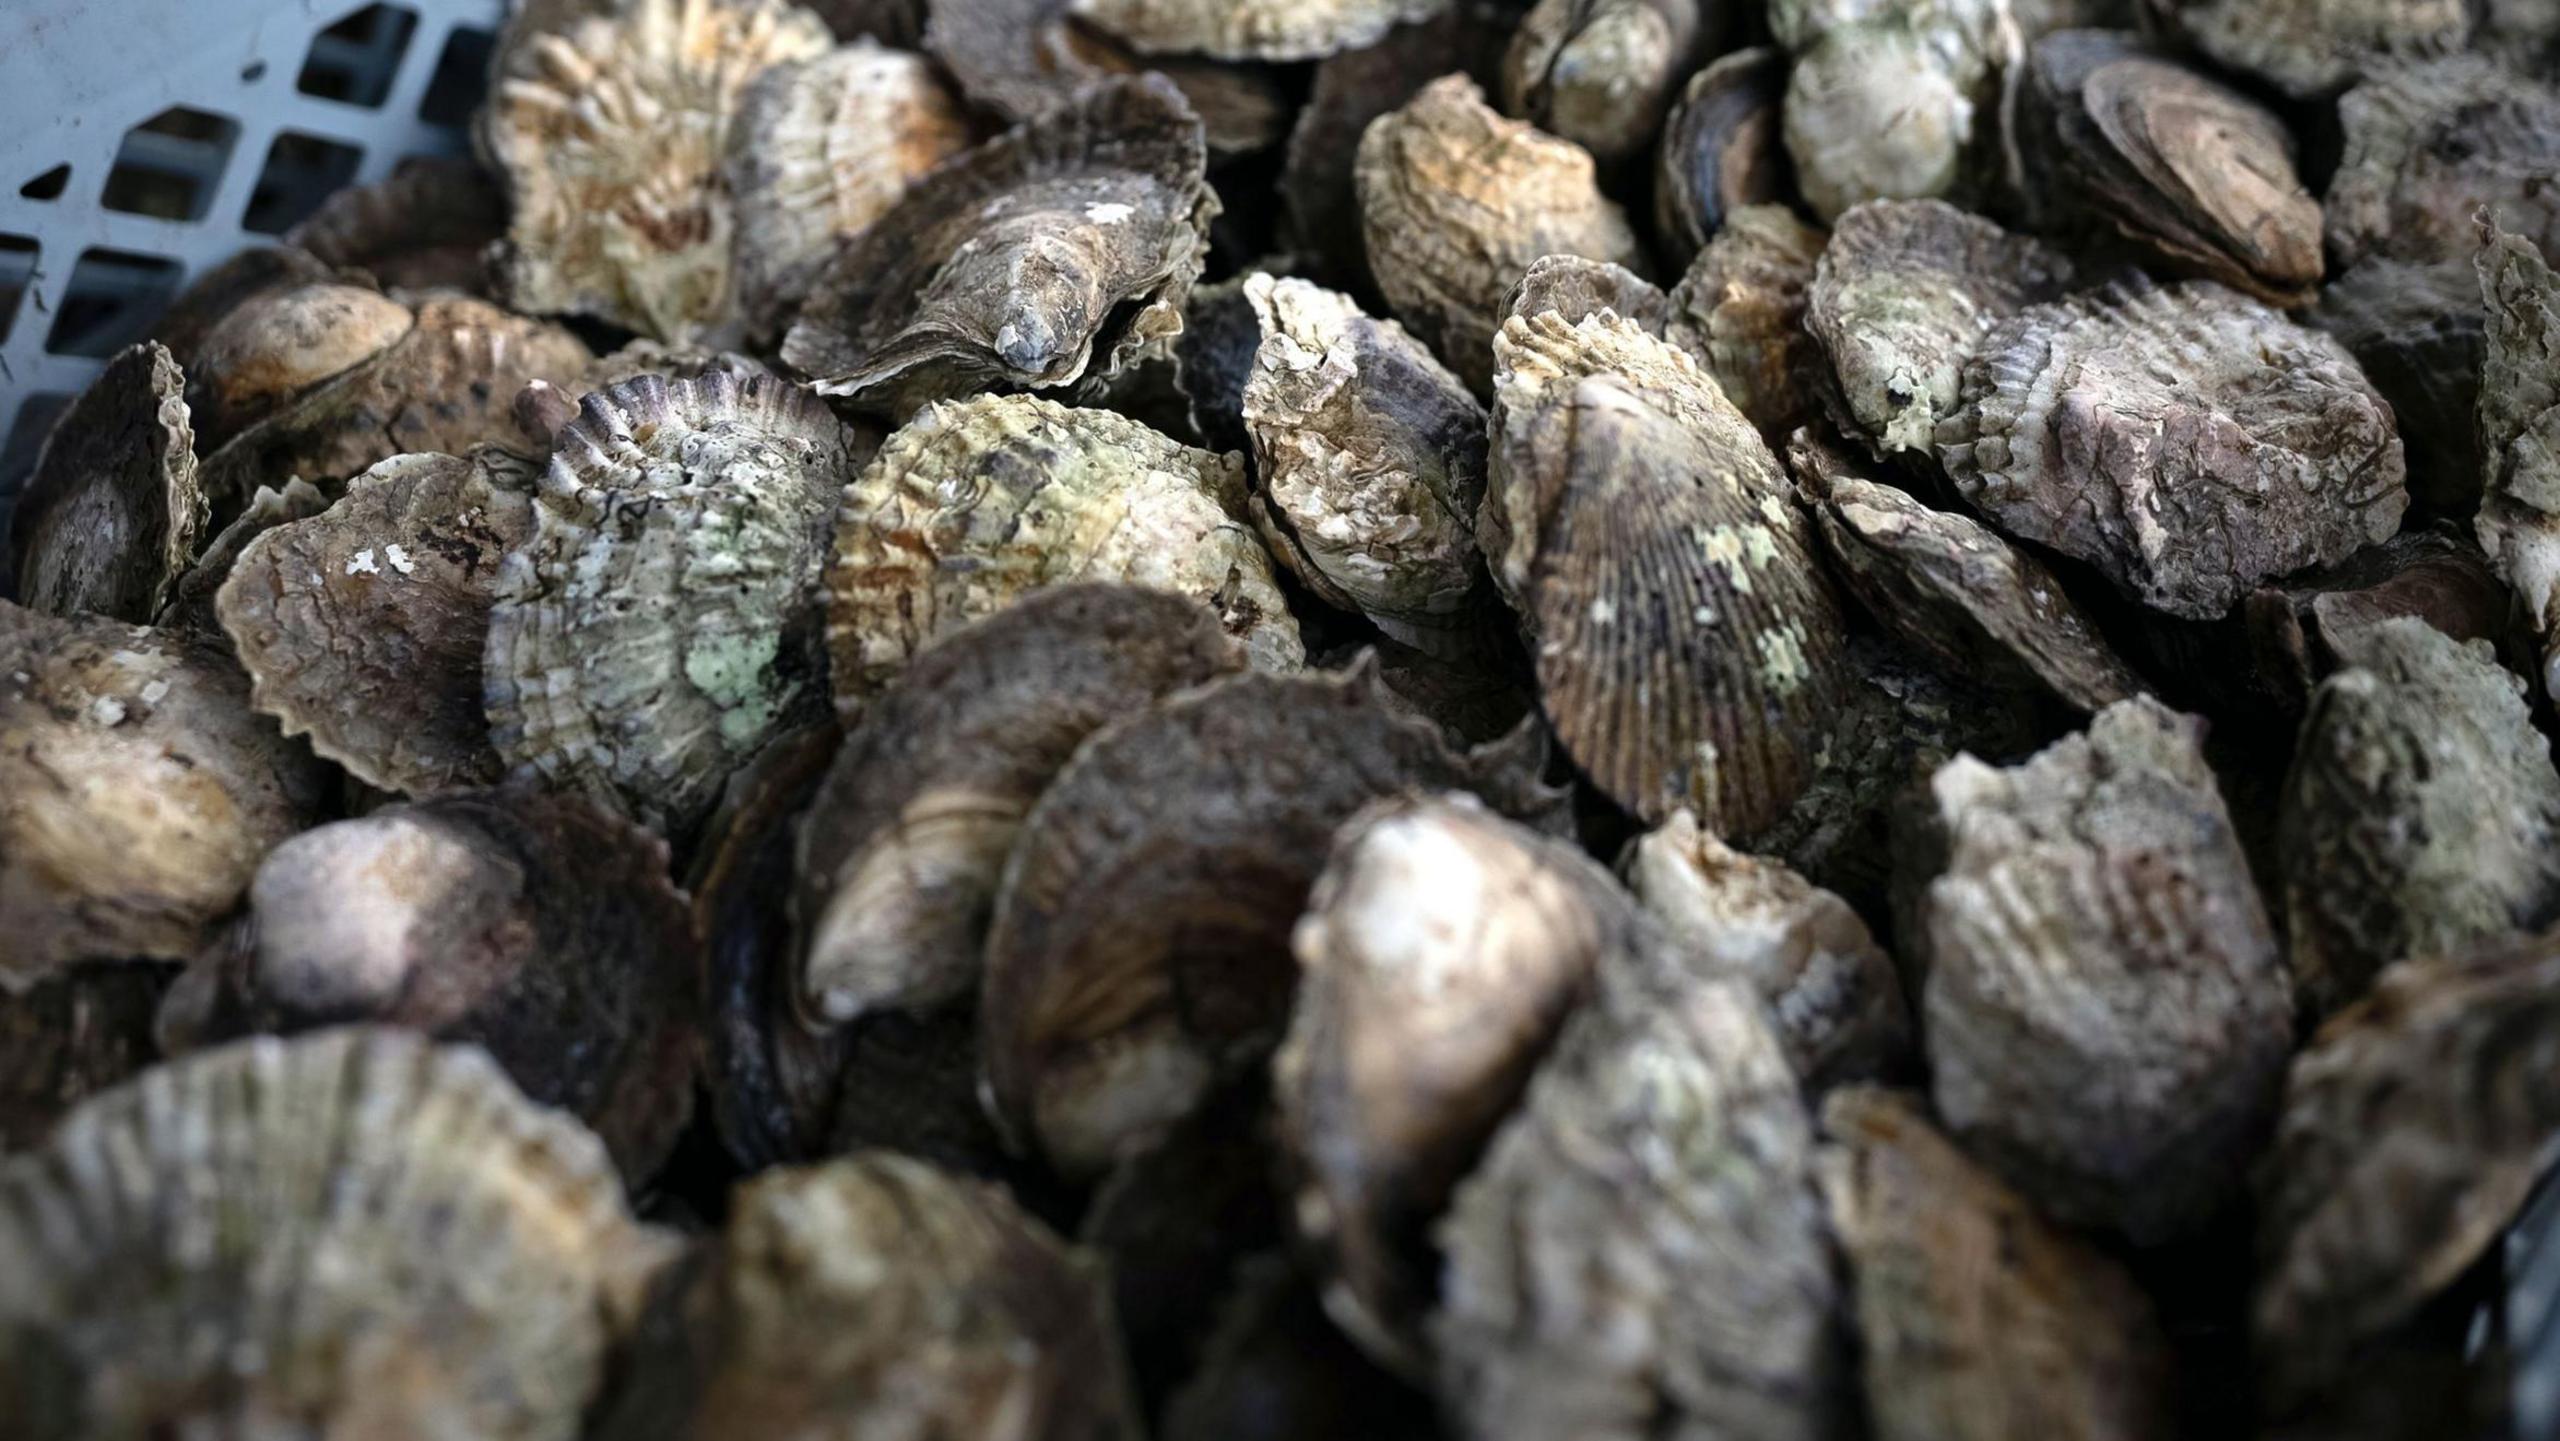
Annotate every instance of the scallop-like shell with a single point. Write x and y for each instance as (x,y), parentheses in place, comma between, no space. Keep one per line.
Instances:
(1601,73)
(110,516)
(429,225)
(2427,145)
(1456,201)
(2106,1012)
(1740,310)
(1574,288)
(609,121)
(902,847)
(1441,950)
(1722,148)
(2519,522)
(1061,250)
(819,150)
(352,1233)
(2421,333)
(1369,463)
(1021,59)
(658,625)
(363,627)
(276,347)
(1252,29)
(1140,949)
(2187,442)
(137,791)
(1977,1318)
(70,1036)
(1688,648)
(1905,294)
(1892,107)
(977,501)
(2311,48)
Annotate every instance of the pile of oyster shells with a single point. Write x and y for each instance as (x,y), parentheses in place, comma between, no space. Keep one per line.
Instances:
(1331,718)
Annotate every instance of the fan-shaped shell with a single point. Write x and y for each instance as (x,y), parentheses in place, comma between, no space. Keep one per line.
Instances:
(2427,145)
(1741,311)
(110,516)
(1722,149)
(1252,29)
(430,225)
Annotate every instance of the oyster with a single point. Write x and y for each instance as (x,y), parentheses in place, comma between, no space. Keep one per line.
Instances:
(1213,359)
(137,791)
(70,1036)
(609,121)
(2428,145)
(900,850)
(1456,201)
(277,346)
(2314,622)
(1369,463)
(1021,59)
(1976,1316)
(1601,73)
(2519,522)
(353,1232)
(1060,251)
(1140,945)
(1688,649)
(659,623)
(2421,334)
(2310,48)
(191,600)
(429,226)
(2106,1013)
(977,501)
(110,516)
(1740,310)
(363,626)
(1573,288)
(1894,102)
(1722,149)
(220,289)
(1251,29)
(2187,442)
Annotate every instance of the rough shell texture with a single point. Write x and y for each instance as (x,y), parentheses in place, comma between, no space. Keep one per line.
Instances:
(977,501)
(1722,149)
(2187,442)
(2421,816)
(363,627)
(821,149)
(1020,59)
(2308,48)
(1947,586)
(609,120)
(1456,201)
(137,791)
(353,1233)
(1832,992)
(191,600)
(1688,648)
(1740,310)
(1905,293)
(277,345)
(1252,29)
(901,849)
(2428,145)
(2421,333)
(69,1037)
(1894,108)
(1573,288)
(429,226)
(1140,947)
(1976,1316)
(110,515)
(2519,522)
(2315,622)
(659,625)
(1058,251)
(1601,73)
(2106,1013)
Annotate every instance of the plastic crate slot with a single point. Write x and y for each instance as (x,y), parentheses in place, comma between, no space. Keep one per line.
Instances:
(355,60)
(18,256)
(113,300)
(460,78)
(48,186)
(169,165)
(301,172)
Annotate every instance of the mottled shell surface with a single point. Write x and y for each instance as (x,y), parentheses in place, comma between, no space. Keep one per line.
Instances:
(1059,251)
(1976,1316)
(977,501)
(352,1233)
(111,513)
(2421,333)
(70,1036)
(137,791)
(2185,441)
(609,121)
(363,627)
(1741,308)
(2427,145)
(1456,201)
(1722,149)
(1601,73)
(901,849)
(218,290)
(1140,948)
(429,225)
(1890,109)
(276,346)
(1251,29)
(2106,1013)
(2519,521)
(659,625)
(1574,288)
(2309,48)
(191,600)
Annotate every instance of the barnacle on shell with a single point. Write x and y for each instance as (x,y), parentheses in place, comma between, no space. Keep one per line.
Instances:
(2310,48)
(275,347)
(2519,521)
(1722,149)
(110,515)
(1252,29)
(1740,310)
(2428,145)
(2421,332)
(1601,73)
(1060,251)
(658,624)
(70,1036)
(429,225)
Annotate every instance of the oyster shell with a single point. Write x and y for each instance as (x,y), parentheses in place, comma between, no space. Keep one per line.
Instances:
(2427,145)
(1212,360)
(110,515)
(2315,622)
(2187,442)
(819,150)
(2519,521)
(70,1036)
(191,600)
(277,346)
(1060,251)
(1140,944)
(220,289)
(1021,59)
(363,627)
(137,791)
(977,501)
(1251,29)
(351,1232)
(1456,201)
(1896,103)
(609,120)
(429,225)
(2106,1012)
(2421,333)
(1601,73)
(658,625)
(1740,310)
(1573,288)
(1976,1316)
(2310,48)
(900,851)
(1688,649)
(1722,148)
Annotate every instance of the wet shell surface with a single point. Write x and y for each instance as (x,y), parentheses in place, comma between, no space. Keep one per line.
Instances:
(1722,149)
(2308,48)
(2185,441)
(609,121)
(1740,310)
(429,226)
(976,502)
(2428,145)
(1251,29)
(901,849)
(2519,522)
(354,1232)
(1601,73)
(363,626)
(1059,251)
(111,513)
(659,625)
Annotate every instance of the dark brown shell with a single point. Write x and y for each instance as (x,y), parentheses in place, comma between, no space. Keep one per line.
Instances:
(1721,150)
(110,516)
(2188,442)
(2428,145)
(277,346)
(1059,251)
(69,1037)
(1601,73)
(1021,59)
(1140,948)
(428,226)
(1741,311)
(2311,48)
(2421,334)
(1212,360)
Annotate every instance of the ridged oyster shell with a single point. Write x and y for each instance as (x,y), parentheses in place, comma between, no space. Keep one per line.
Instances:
(111,513)
(1252,29)
(1020,59)
(1575,288)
